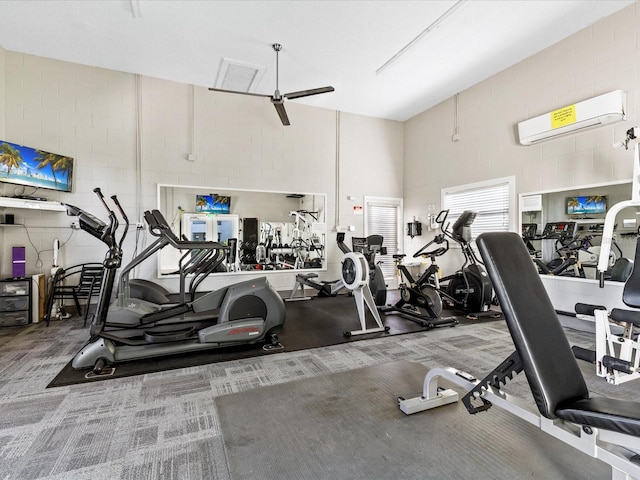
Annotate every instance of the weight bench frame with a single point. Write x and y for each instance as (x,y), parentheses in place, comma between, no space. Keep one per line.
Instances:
(617,355)
(603,428)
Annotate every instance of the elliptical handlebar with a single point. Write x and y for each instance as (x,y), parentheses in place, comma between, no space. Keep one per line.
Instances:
(159,227)
(93,225)
(124,217)
(154,228)
(444,214)
(438,239)
(110,234)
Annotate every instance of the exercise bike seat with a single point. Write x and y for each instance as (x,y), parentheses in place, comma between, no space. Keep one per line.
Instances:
(398,256)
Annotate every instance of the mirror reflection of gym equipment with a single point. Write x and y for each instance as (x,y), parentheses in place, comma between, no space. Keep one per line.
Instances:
(221,228)
(265,230)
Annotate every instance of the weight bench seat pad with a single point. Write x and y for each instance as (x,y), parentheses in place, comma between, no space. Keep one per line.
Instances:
(552,371)
(628,316)
(612,414)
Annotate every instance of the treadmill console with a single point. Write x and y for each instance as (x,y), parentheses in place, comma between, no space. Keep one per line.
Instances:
(555,230)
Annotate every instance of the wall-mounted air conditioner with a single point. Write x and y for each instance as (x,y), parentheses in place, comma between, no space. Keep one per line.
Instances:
(597,111)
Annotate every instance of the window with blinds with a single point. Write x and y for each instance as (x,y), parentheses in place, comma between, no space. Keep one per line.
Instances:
(491,201)
(383,218)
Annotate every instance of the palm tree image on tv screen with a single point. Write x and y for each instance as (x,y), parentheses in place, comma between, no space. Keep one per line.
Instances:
(587,205)
(30,167)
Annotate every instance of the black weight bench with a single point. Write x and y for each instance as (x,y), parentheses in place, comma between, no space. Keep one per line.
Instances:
(604,428)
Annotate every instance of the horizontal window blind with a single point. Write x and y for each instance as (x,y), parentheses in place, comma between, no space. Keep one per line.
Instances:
(383,220)
(491,203)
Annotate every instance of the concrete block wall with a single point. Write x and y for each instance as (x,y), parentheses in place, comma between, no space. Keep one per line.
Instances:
(128,134)
(596,60)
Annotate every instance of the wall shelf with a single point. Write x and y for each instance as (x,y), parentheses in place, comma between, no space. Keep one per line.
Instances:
(10,202)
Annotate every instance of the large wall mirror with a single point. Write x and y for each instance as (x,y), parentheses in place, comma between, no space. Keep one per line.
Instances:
(550,218)
(264,231)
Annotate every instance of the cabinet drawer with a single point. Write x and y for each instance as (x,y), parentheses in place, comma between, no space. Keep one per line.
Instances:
(14,303)
(19,287)
(8,319)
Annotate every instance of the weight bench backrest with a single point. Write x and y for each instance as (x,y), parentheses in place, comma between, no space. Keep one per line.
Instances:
(549,364)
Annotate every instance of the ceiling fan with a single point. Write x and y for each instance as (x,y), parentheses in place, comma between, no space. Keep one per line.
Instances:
(277,98)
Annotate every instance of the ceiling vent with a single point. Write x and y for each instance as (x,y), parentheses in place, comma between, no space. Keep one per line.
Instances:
(239,76)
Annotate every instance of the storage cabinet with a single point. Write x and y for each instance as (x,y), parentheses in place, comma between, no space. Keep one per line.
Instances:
(15,302)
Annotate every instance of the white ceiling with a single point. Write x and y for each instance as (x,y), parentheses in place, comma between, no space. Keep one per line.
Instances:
(340,43)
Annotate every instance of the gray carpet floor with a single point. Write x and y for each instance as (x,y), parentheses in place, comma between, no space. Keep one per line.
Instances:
(166,425)
(347,425)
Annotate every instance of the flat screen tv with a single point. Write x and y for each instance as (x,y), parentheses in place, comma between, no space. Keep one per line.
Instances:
(586,205)
(29,167)
(213,203)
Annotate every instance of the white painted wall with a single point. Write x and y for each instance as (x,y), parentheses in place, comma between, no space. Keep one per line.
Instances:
(363,169)
(598,59)
(110,121)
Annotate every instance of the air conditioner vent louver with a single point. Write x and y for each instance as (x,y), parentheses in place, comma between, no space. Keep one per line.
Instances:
(597,111)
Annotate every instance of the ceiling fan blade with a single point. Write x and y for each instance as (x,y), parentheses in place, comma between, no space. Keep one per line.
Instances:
(240,93)
(282,113)
(308,93)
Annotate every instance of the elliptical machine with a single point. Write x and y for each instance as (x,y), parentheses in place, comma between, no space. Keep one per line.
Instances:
(247,312)
(469,289)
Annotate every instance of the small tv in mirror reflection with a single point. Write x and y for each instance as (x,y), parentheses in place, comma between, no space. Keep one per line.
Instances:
(586,205)
(213,203)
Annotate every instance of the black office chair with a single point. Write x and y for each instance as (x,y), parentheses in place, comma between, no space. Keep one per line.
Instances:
(63,285)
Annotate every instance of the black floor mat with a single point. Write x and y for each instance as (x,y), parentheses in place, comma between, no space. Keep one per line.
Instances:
(313,323)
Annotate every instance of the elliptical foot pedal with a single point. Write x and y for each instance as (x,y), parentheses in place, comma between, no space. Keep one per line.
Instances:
(273,346)
(172,336)
(274,343)
(105,372)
